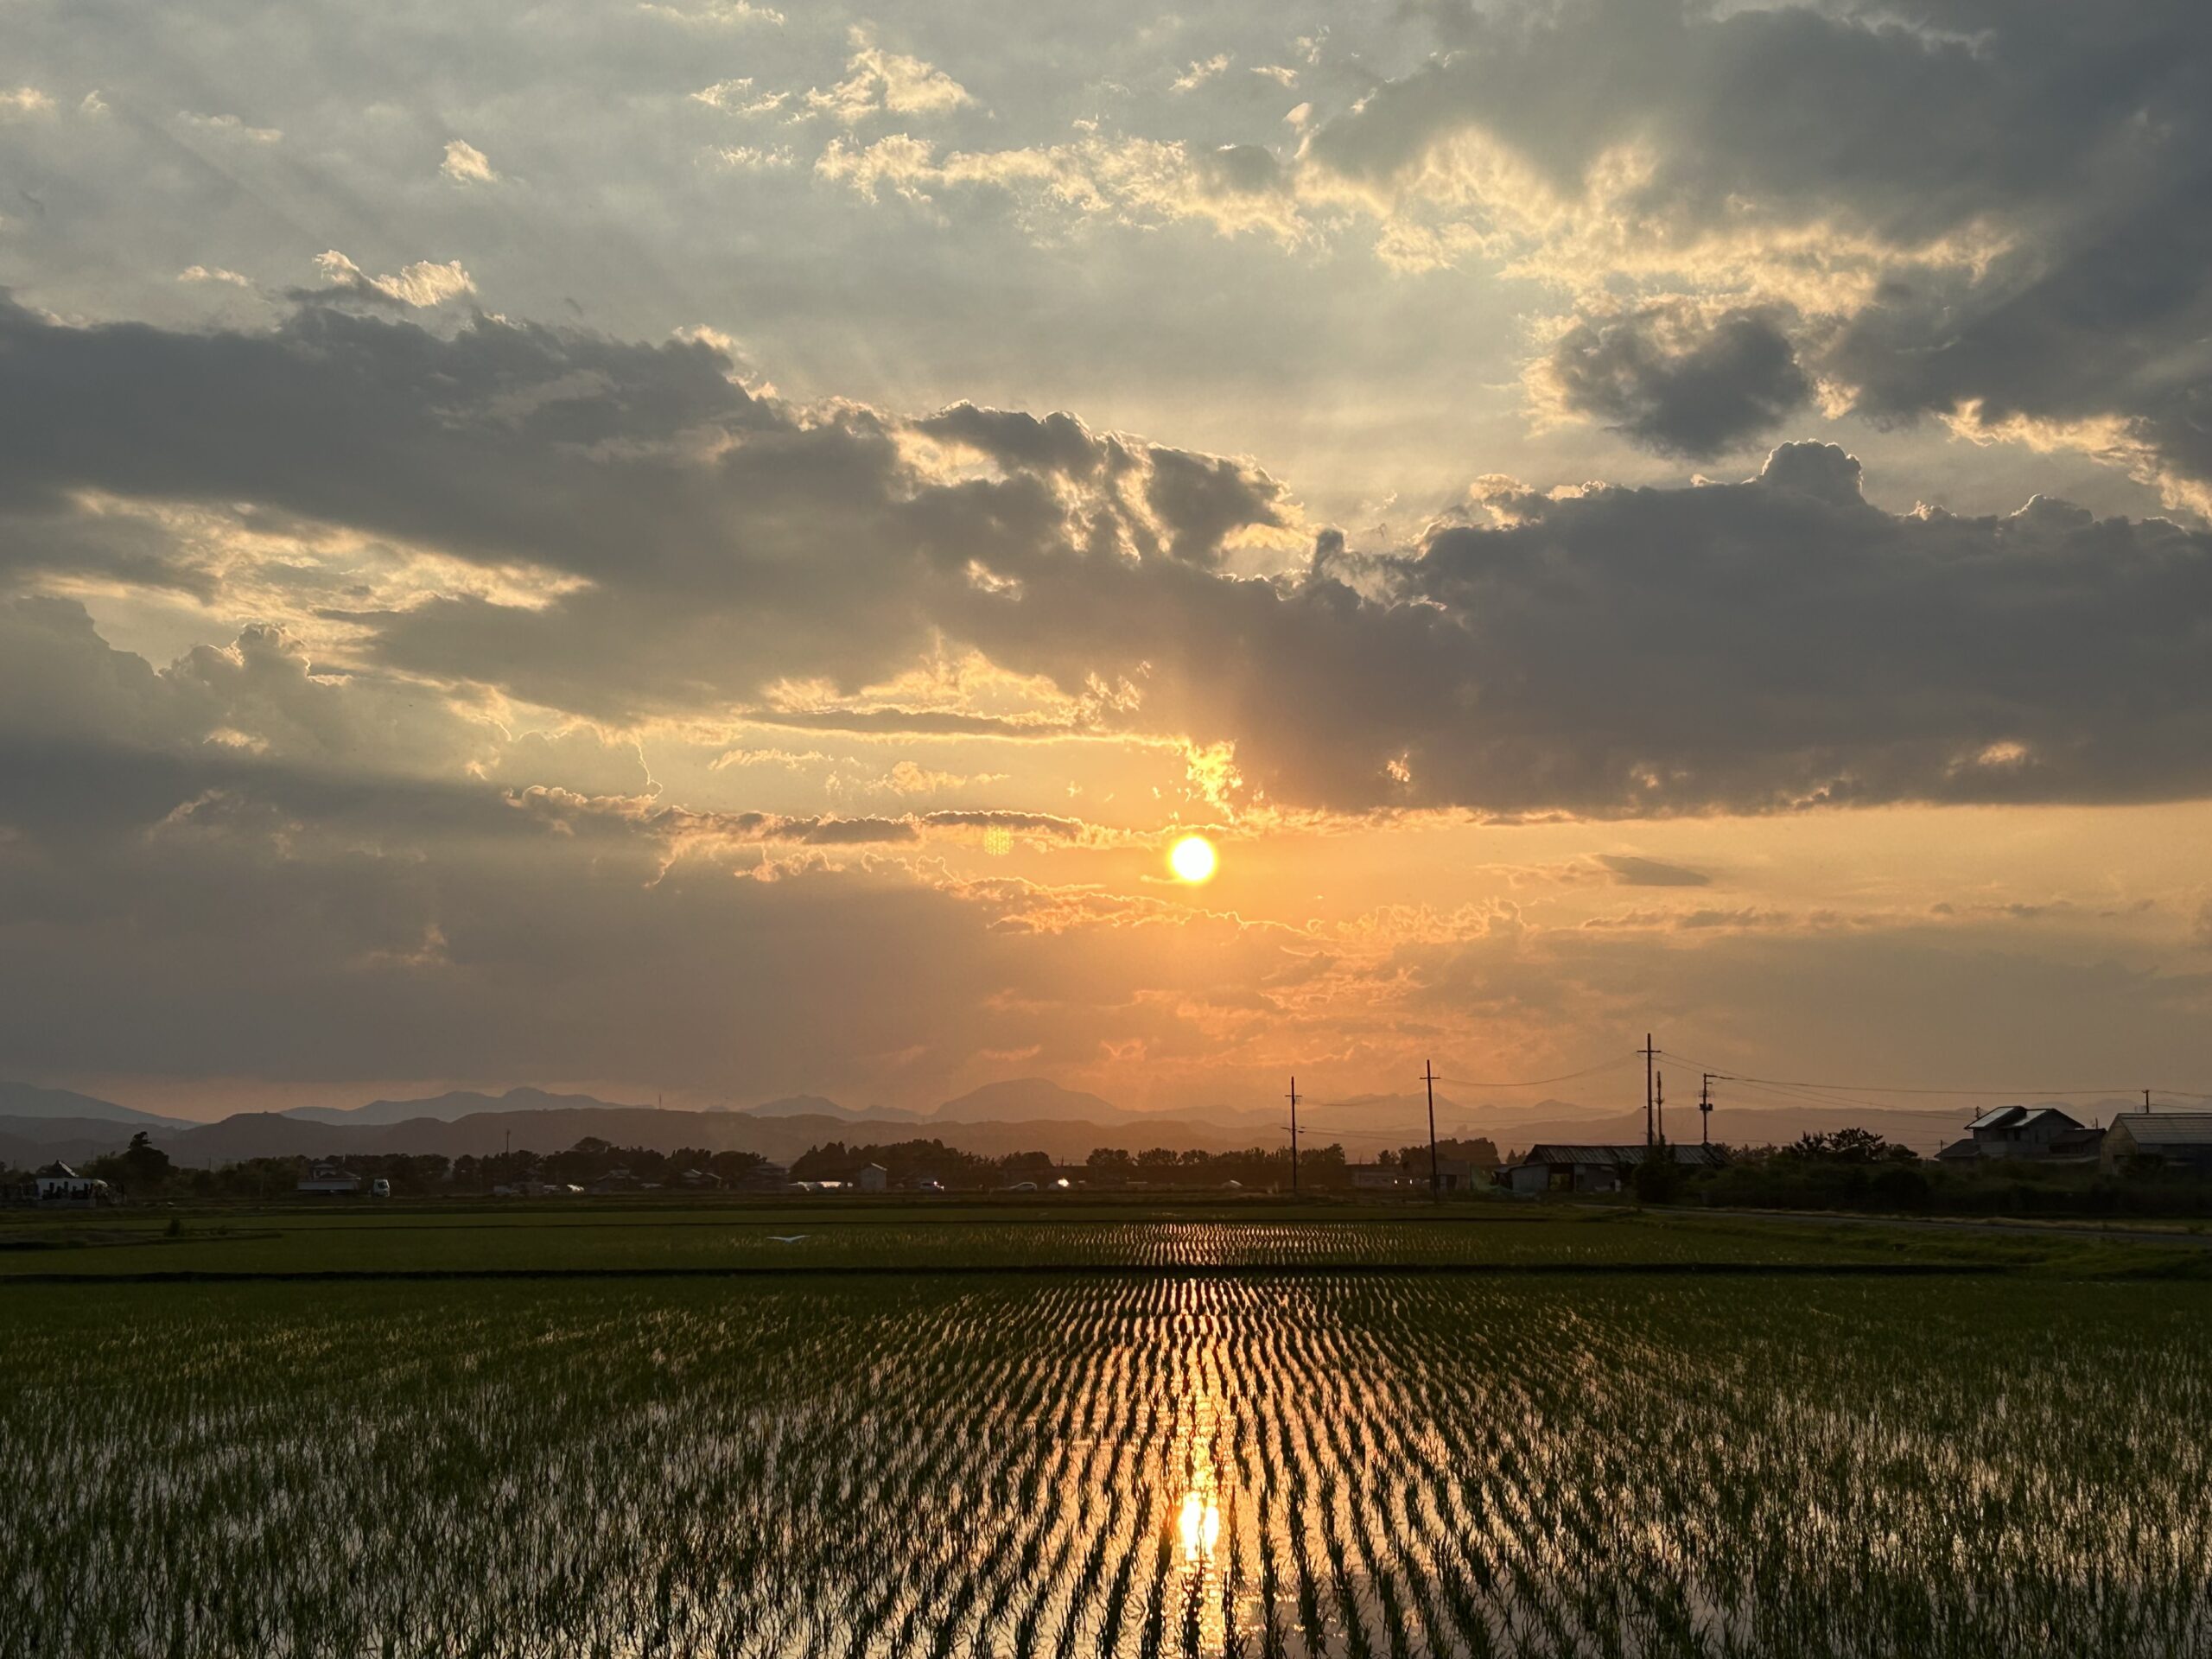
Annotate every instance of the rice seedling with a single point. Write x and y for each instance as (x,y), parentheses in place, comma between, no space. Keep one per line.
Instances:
(1252,1466)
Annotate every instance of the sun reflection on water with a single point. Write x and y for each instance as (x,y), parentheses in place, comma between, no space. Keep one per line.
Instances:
(1199,1518)
(1200,1526)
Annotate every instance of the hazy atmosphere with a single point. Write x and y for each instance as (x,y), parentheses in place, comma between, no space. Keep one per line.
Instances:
(1282,831)
(709,551)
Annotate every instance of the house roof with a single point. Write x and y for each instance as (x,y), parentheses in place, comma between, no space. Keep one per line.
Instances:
(2167,1129)
(2020,1117)
(58,1171)
(1965,1149)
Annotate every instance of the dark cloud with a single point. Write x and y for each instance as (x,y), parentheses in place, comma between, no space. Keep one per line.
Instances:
(1035,823)
(1680,383)
(1746,648)
(2030,185)
(892,720)
(2113,323)
(1819,470)
(1632,871)
(1240,170)
(1057,442)
(1768,646)
(1793,113)
(1200,500)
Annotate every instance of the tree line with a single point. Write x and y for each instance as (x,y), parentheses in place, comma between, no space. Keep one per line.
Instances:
(1856,1169)
(142,1170)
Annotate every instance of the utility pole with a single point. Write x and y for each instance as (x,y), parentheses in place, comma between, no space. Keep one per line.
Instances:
(2146,1100)
(1648,1053)
(1705,1111)
(1661,1081)
(1435,1180)
(1293,1137)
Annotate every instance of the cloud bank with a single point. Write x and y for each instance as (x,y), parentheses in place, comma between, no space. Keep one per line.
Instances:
(686,546)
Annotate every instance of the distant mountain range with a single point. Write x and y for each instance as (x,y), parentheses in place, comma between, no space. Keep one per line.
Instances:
(1021,1115)
(446,1107)
(815,1106)
(26,1100)
(1027,1100)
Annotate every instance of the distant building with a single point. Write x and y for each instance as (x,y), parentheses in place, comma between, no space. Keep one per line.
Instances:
(765,1178)
(872,1178)
(1458,1174)
(1594,1169)
(2159,1141)
(60,1187)
(1452,1175)
(2031,1132)
(328,1180)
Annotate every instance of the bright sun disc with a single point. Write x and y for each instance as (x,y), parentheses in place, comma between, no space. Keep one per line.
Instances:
(1192,858)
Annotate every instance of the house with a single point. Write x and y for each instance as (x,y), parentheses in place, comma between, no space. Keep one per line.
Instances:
(872,1178)
(699,1179)
(330,1180)
(2159,1140)
(1550,1167)
(2022,1131)
(59,1186)
(1959,1153)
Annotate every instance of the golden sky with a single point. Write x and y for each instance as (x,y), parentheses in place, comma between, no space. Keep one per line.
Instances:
(716,548)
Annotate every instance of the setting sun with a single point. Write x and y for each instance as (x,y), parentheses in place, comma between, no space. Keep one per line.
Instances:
(1192,858)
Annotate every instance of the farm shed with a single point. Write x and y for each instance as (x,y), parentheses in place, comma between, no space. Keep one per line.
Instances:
(2166,1140)
(872,1178)
(1593,1169)
(328,1180)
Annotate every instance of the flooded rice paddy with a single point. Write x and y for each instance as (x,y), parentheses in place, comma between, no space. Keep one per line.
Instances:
(1124,1466)
(1109,1467)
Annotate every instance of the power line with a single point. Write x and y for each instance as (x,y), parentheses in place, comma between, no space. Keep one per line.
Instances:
(1539,1082)
(1803,1097)
(1887,1089)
